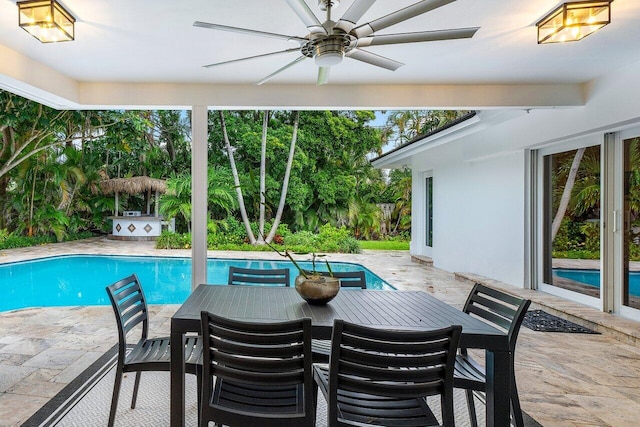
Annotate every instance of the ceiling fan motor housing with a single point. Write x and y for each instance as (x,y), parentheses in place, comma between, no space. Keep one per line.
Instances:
(327,50)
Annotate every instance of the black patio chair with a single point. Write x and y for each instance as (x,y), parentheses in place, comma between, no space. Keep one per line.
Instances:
(137,352)
(505,312)
(321,349)
(382,377)
(256,276)
(257,374)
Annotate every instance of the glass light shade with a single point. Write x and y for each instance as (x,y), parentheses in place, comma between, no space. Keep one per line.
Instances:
(573,21)
(328,59)
(47,21)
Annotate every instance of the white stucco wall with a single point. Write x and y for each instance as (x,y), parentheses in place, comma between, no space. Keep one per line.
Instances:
(479,175)
(478,211)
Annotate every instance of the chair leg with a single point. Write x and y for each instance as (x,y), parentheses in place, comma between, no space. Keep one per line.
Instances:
(135,390)
(199,397)
(473,419)
(516,409)
(114,398)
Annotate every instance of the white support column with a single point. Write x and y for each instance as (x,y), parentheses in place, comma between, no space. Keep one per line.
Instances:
(198,195)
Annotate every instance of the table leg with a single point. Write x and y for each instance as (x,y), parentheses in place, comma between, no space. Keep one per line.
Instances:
(177,379)
(498,376)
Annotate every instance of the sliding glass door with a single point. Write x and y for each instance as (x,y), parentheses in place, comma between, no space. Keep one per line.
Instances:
(571,222)
(630,295)
(588,199)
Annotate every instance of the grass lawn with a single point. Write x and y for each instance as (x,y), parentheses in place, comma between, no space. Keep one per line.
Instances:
(384,245)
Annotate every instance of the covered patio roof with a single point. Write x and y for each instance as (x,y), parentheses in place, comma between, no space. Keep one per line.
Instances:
(147,54)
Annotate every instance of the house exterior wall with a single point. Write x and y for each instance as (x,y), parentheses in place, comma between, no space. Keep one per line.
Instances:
(477,212)
(479,176)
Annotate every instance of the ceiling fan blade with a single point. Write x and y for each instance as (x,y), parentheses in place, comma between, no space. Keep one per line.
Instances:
(323,75)
(353,14)
(422,36)
(279,70)
(408,12)
(310,20)
(295,49)
(373,59)
(247,31)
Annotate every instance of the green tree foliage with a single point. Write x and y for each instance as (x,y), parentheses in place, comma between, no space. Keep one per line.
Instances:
(51,162)
(329,167)
(405,125)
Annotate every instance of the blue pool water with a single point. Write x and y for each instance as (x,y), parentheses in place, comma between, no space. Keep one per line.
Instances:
(81,279)
(592,278)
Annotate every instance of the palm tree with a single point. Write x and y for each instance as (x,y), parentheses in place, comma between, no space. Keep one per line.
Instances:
(176,202)
(406,124)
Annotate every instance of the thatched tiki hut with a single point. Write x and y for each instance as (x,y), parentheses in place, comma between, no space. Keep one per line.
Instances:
(133,224)
(135,185)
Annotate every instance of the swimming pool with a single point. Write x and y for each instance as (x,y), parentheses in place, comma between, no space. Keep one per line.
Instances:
(592,278)
(71,280)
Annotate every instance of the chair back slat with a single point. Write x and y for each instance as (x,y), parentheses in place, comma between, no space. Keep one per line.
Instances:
(257,336)
(255,276)
(397,389)
(422,373)
(265,364)
(133,318)
(499,309)
(227,345)
(244,377)
(348,279)
(383,360)
(490,316)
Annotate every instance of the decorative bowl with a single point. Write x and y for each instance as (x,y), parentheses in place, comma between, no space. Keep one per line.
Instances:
(317,289)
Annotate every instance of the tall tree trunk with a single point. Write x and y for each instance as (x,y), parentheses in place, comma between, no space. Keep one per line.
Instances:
(33,195)
(236,181)
(566,193)
(263,177)
(285,182)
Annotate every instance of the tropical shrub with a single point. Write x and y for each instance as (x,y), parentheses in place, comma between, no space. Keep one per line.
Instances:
(170,240)
(13,241)
(349,245)
(591,232)
(301,238)
(230,235)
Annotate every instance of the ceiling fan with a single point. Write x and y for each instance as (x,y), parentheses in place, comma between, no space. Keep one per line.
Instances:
(329,42)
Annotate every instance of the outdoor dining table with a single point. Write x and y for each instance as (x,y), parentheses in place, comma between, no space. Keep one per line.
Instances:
(413,310)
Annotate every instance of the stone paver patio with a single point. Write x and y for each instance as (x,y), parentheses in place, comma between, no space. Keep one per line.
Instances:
(563,379)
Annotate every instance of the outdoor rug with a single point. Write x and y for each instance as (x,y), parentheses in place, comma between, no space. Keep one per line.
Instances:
(542,321)
(85,402)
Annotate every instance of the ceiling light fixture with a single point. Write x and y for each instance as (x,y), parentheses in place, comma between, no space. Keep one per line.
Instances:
(573,21)
(47,21)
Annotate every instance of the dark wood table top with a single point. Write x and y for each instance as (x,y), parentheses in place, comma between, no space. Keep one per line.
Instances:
(375,308)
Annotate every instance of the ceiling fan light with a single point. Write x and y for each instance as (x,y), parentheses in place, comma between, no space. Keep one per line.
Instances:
(573,21)
(328,59)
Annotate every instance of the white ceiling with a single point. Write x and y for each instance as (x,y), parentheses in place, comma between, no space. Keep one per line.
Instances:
(127,43)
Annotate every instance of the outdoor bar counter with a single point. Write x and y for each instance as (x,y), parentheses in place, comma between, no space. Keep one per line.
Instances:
(143,227)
